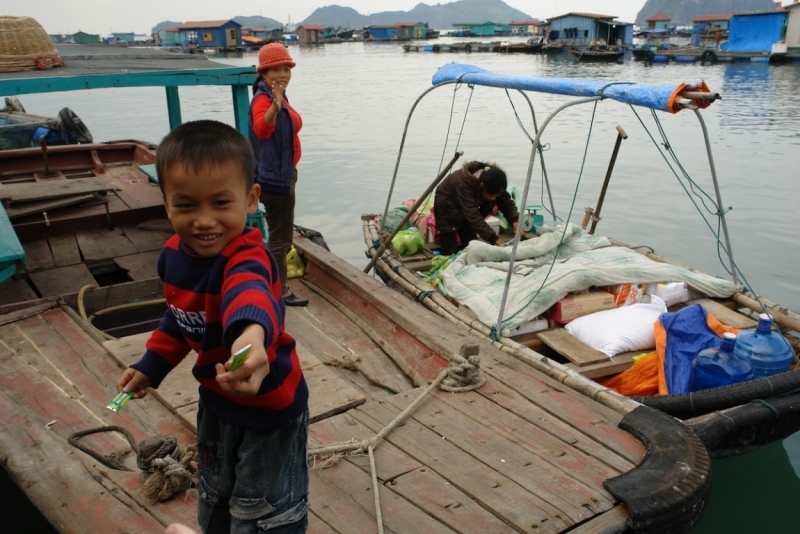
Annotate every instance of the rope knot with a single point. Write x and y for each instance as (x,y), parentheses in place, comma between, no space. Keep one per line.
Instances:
(464,373)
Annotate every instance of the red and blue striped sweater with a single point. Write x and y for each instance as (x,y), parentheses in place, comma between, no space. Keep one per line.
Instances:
(211,299)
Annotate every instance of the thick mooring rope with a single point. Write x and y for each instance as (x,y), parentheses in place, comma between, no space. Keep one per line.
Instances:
(463,374)
(165,466)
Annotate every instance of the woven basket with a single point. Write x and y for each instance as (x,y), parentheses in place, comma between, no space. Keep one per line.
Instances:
(24,45)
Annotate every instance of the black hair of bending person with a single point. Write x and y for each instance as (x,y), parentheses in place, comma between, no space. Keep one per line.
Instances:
(494,181)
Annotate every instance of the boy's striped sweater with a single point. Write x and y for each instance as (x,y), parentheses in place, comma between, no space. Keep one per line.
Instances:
(210,300)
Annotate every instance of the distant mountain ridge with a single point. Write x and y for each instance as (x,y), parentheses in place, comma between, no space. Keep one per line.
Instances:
(439,16)
(683,12)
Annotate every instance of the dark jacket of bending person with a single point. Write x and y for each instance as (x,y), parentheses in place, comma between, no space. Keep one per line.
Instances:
(465,198)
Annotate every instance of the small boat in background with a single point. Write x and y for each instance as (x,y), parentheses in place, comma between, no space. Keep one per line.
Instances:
(19,129)
(598,55)
(517,48)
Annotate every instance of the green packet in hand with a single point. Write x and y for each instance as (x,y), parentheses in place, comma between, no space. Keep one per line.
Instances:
(119,401)
(239,358)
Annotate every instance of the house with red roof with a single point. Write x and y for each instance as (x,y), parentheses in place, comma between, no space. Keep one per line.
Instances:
(582,29)
(658,21)
(309,34)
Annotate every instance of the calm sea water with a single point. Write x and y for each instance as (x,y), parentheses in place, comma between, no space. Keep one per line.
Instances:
(355,99)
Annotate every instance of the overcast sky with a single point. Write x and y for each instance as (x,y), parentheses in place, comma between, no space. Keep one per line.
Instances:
(139,16)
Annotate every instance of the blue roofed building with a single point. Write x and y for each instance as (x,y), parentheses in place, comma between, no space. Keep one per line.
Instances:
(755,32)
(210,34)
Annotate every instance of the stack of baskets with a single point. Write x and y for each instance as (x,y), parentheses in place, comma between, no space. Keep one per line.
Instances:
(24,45)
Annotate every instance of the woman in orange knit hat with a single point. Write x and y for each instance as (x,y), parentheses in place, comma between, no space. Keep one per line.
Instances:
(274,124)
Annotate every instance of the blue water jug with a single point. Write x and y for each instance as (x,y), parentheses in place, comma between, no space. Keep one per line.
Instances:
(719,366)
(766,350)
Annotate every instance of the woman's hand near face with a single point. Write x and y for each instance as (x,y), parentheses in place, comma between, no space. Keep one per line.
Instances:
(277,91)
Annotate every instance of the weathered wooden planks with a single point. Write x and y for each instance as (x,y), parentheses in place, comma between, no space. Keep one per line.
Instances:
(103,244)
(328,393)
(33,191)
(56,381)
(144,240)
(724,314)
(62,280)
(338,341)
(64,249)
(29,208)
(38,255)
(571,347)
(140,266)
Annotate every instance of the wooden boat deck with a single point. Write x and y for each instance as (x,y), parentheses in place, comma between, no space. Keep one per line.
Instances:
(522,453)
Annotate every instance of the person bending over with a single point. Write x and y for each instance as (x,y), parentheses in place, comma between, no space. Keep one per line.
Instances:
(463,201)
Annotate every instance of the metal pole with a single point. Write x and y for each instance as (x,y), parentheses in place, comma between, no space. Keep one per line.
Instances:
(596,216)
(525,198)
(411,212)
(719,196)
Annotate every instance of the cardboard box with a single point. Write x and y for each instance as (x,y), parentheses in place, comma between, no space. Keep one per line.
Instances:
(670,292)
(574,306)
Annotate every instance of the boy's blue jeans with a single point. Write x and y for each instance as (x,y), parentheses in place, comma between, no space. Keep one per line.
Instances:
(249,480)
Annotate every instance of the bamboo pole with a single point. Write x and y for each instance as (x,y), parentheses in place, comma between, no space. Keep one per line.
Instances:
(444,308)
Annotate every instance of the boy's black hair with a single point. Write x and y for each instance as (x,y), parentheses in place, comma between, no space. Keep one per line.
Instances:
(199,143)
(494,181)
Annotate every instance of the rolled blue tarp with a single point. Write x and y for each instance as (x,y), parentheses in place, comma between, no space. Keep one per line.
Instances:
(660,97)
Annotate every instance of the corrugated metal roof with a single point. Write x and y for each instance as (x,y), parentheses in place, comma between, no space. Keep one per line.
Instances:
(657,17)
(205,24)
(310,26)
(709,18)
(587,15)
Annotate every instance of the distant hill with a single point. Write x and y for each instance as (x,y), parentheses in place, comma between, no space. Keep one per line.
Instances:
(166,24)
(683,11)
(439,16)
(246,22)
(257,21)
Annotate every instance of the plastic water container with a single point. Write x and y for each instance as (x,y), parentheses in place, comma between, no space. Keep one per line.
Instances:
(719,366)
(766,350)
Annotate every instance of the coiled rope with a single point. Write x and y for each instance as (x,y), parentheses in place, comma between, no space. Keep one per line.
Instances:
(165,466)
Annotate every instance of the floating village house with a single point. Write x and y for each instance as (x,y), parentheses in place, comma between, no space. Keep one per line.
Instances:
(410,30)
(309,34)
(792,39)
(524,27)
(261,33)
(382,32)
(711,23)
(658,21)
(85,38)
(583,28)
(755,32)
(210,34)
(168,37)
(478,29)
(123,37)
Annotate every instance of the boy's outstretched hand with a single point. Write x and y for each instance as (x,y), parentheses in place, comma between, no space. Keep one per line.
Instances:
(246,380)
(133,380)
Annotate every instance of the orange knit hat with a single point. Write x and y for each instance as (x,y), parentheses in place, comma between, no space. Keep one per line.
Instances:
(273,55)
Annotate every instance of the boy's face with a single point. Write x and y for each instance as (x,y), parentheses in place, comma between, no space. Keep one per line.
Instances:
(209,207)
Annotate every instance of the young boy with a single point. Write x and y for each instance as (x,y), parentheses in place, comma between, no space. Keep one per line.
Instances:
(223,293)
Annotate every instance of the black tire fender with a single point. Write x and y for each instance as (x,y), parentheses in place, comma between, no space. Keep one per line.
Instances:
(669,490)
(436,48)
(649,55)
(709,56)
(468,48)
(406,47)
(74,126)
